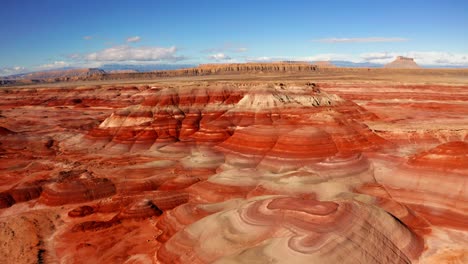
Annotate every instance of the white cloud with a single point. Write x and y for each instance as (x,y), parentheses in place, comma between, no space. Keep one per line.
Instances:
(371,56)
(275,59)
(224,52)
(263,59)
(219,56)
(330,57)
(5,71)
(127,53)
(88,37)
(133,39)
(360,40)
(53,65)
(318,57)
(439,58)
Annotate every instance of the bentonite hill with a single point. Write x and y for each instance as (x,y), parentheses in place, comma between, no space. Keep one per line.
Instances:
(233,132)
(323,166)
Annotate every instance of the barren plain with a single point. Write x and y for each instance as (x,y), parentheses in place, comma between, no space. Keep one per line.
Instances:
(329,166)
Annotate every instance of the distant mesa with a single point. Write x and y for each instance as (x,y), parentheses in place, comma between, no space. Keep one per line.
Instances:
(324,64)
(119,72)
(402,63)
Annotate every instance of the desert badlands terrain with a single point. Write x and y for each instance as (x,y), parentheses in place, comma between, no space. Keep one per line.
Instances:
(277,163)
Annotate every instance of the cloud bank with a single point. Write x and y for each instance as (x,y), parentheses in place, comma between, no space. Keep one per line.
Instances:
(427,58)
(219,56)
(151,55)
(5,71)
(423,58)
(54,65)
(128,53)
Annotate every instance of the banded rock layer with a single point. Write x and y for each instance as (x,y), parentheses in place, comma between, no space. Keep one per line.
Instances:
(228,172)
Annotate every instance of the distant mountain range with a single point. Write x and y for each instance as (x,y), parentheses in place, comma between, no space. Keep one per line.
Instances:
(70,73)
(57,73)
(82,72)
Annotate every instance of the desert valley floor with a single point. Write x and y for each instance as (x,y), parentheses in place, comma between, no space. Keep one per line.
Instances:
(331,168)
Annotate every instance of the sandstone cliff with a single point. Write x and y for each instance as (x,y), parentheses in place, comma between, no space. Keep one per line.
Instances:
(210,69)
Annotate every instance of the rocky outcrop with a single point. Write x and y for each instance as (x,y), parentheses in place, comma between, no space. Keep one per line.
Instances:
(76,187)
(402,63)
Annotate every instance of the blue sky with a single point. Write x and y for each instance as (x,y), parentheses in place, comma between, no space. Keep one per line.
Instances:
(50,34)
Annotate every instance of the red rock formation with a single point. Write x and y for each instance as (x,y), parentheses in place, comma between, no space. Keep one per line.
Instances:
(76,187)
(235,172)
(416,116)
(81,211)
(5,131)
(167,116)
(432,173)
(452,156)
(303,230)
